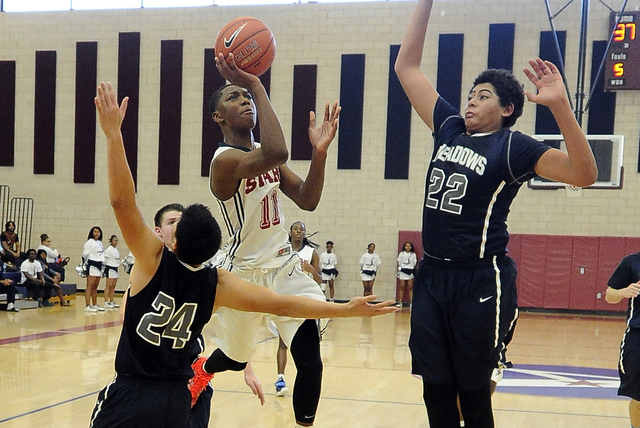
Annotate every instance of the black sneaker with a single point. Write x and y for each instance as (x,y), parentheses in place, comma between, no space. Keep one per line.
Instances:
(47,304)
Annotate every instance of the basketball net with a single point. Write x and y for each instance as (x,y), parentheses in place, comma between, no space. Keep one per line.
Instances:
(573,191)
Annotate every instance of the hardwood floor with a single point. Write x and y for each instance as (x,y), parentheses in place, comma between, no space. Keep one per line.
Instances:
(55,360)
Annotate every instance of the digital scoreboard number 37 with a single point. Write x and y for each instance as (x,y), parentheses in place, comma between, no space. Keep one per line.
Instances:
(623,58)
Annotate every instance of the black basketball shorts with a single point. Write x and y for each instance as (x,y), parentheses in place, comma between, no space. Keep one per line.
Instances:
(461,314)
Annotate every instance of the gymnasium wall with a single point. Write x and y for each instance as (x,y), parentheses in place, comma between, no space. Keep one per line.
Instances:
(375,172)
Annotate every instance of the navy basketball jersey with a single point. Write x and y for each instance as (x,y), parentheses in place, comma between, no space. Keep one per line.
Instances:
(628,272)
(163,321)
(471,182)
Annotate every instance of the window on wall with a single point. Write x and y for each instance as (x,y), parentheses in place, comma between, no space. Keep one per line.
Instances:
(50,5)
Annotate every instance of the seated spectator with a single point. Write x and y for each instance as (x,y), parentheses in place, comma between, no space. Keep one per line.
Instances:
(11,246)
(33,278)
(51,277)
(54,260)
(9,288)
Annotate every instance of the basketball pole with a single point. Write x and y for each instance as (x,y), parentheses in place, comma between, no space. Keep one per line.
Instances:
(582,52)
(584,20)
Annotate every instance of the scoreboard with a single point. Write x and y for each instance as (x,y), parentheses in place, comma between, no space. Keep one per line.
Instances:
(622,65)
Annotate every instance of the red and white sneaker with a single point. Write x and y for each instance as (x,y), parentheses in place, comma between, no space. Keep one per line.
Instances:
(200,379)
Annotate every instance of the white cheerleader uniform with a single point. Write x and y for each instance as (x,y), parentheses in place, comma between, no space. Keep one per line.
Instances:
(406,262)
(369,264)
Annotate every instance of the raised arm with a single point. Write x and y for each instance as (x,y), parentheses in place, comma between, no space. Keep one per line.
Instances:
(419,89)
(233,165)
(142,241)
(306,194)
(577,166)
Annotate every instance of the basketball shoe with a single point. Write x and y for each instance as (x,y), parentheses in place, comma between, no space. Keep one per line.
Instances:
(200,379)
(281,387)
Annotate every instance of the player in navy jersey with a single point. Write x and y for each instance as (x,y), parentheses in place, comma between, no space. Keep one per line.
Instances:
(171,297)
(464,299)
(625,284)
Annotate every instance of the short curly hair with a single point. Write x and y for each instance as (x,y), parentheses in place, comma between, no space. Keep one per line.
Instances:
(508,89)
(197,234)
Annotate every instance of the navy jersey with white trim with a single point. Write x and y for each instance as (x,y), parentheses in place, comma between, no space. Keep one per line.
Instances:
(471,182)
(163,322)
(628,272)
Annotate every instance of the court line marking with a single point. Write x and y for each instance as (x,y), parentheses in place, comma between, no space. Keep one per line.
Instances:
(56,333)
(10,418)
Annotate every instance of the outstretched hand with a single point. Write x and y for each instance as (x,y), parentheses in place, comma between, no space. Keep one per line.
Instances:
(253,382)
(548,80)
(360,306)
(110,114)
(231,72)
(322,135)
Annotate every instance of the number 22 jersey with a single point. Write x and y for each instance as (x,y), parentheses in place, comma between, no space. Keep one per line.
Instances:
(471,182)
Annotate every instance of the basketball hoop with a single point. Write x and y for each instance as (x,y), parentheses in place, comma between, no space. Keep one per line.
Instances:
(573,191)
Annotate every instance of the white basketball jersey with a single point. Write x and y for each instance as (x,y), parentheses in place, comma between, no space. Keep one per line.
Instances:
(306,253)
(254,221)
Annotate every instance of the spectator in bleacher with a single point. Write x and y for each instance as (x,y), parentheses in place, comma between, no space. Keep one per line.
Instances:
(11,246)
(51,277)
(111,262)
(54,260)
(33,278)
(93,255)
(9,288)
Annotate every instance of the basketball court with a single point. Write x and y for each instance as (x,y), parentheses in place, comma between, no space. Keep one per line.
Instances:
(55,360)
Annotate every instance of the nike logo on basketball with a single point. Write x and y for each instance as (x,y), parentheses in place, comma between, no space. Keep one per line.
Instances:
(484,299)
(228,43)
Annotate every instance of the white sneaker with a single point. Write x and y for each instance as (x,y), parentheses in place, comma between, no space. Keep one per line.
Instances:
(109,305)
(90,309)
(114,305)
(98,308)
(496,375)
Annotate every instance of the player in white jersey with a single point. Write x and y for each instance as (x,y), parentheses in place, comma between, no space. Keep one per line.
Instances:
(306,250)
(245,179)
(329,269)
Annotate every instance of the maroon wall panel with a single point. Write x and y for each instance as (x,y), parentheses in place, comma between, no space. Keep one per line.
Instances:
(558,272)
(632,245)
(305,81)
(44,113)
(531,270)
(514,249)
(7,112)
(129,86)
(211,132)
(170,112)
(415,237)
(611,251)
(583,284)
(84,144)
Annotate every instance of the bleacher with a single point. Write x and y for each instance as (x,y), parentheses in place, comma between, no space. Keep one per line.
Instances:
(25,301)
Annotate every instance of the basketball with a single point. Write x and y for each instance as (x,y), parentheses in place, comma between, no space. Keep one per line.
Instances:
(250,41)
